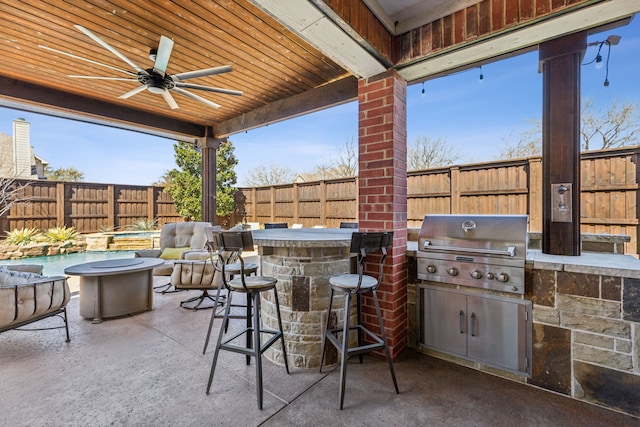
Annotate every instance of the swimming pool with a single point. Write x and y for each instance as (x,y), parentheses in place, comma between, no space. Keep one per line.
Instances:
(54,265)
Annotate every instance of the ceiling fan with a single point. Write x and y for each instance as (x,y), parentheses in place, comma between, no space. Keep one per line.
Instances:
(155,80)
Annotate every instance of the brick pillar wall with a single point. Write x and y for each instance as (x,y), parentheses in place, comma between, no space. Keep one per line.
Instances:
(382,194)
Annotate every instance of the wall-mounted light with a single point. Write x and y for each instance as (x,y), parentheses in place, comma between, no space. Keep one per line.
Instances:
(610,41)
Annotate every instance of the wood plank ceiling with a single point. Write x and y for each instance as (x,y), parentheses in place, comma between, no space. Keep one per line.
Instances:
(288,58)
(269,62)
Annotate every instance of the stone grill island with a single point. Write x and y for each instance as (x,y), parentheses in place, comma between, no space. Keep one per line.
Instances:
(586,324)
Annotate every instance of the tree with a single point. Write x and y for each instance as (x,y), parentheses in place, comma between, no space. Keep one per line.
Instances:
(529,144)
(226,180)
(69,174)
(11,192)
(272,175)
(618,127)
(185,183)
(343,164)
(428,153)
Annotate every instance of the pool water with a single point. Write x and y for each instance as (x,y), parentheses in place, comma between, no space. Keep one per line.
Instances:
(55,265)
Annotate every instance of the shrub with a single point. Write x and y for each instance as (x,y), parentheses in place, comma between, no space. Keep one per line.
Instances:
(142,224)
(61,233)
(22,236)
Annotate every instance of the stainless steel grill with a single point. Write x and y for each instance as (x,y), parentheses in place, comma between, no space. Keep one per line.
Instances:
(482,251)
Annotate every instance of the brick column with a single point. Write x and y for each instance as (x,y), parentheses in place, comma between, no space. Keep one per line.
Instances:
(382,194)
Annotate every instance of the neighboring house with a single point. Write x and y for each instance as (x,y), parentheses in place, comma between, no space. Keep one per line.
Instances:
(17,159)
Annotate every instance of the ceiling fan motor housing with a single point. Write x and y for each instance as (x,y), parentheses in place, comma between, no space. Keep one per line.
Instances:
(155,82)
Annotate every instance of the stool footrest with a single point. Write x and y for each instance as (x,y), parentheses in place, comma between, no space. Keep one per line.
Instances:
(226,344)
(333,338)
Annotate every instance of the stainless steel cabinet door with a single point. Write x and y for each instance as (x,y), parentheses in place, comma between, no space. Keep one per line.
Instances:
(445,326)
(494,331)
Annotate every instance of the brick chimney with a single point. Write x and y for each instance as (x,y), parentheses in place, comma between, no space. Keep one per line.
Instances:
(22,152)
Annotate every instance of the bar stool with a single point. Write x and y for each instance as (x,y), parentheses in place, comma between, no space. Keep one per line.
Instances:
(232,269)
(230,245)
(362,244)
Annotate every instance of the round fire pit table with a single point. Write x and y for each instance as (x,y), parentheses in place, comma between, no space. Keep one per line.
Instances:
(115,287)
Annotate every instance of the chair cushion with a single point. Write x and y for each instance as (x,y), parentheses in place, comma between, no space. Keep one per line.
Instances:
(173,253)
(350,281)
(10,277)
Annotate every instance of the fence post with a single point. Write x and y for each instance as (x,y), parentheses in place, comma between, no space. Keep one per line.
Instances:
(151,204)
(323,202)
(296,203)
(534,185)
(60,204)
(111,207)
(454,190)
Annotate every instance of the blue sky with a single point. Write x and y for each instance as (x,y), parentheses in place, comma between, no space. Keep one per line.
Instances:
(475,118)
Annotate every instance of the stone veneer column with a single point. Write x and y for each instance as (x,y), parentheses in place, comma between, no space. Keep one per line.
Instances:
(382,194)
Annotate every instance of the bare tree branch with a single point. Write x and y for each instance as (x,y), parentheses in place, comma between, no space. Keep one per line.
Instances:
(428,153)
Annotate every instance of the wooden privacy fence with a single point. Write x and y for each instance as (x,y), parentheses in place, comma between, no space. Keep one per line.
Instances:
(609,183)
(609,199)
(88,207)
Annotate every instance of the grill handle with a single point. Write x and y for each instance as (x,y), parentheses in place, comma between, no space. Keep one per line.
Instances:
(461,314)
(510,251)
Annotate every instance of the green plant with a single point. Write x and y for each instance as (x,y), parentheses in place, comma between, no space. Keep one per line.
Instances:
(22,236)
(143,224)
(61,233)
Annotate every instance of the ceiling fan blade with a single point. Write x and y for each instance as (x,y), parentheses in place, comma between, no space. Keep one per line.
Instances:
(87,60)
(104,78)
(172,102)
(202,73)
(110,49)
(196,97)
(209,88)
(163,54)
(133,92)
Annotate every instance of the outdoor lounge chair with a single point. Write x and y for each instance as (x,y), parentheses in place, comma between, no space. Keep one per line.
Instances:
(178,240)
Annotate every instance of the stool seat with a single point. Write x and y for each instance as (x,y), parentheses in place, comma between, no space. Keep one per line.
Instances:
(349,282)
(252,283)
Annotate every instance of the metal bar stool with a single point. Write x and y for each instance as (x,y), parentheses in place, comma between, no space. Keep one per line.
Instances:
(230,246)
(232,270)
(362,244)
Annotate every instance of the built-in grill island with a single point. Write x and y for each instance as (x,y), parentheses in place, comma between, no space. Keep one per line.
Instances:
(471,270)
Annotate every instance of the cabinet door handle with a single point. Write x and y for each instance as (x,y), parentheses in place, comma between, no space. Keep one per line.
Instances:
(473,324)
(461,321)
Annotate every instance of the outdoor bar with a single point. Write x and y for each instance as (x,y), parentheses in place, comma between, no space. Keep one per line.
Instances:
(577,313)
(302,260)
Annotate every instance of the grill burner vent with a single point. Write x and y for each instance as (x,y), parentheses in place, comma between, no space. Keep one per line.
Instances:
(485,251)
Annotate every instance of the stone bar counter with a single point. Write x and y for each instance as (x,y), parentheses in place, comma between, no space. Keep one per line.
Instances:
(302,260)
(586,326)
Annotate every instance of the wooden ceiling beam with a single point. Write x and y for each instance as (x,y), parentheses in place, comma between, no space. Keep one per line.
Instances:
(326,96)
(19,94)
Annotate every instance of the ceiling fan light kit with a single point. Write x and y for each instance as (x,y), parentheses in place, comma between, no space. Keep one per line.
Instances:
(155,80)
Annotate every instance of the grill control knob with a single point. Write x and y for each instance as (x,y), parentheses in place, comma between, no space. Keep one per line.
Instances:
(502,277)
(491,276)
(431,269)
(476,274)
(452,271)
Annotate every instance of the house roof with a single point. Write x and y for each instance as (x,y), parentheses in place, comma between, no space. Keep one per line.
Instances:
(288,58)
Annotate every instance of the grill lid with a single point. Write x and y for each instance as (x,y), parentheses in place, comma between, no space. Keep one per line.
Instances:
(496,235)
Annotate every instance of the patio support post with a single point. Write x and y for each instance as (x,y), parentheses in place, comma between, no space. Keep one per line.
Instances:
(560,61)
(209,147)
(382,194)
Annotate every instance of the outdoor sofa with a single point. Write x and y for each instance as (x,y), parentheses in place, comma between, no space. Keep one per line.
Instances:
(27,296)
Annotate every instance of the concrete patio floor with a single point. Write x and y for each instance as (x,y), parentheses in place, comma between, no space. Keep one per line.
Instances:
(149,370)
